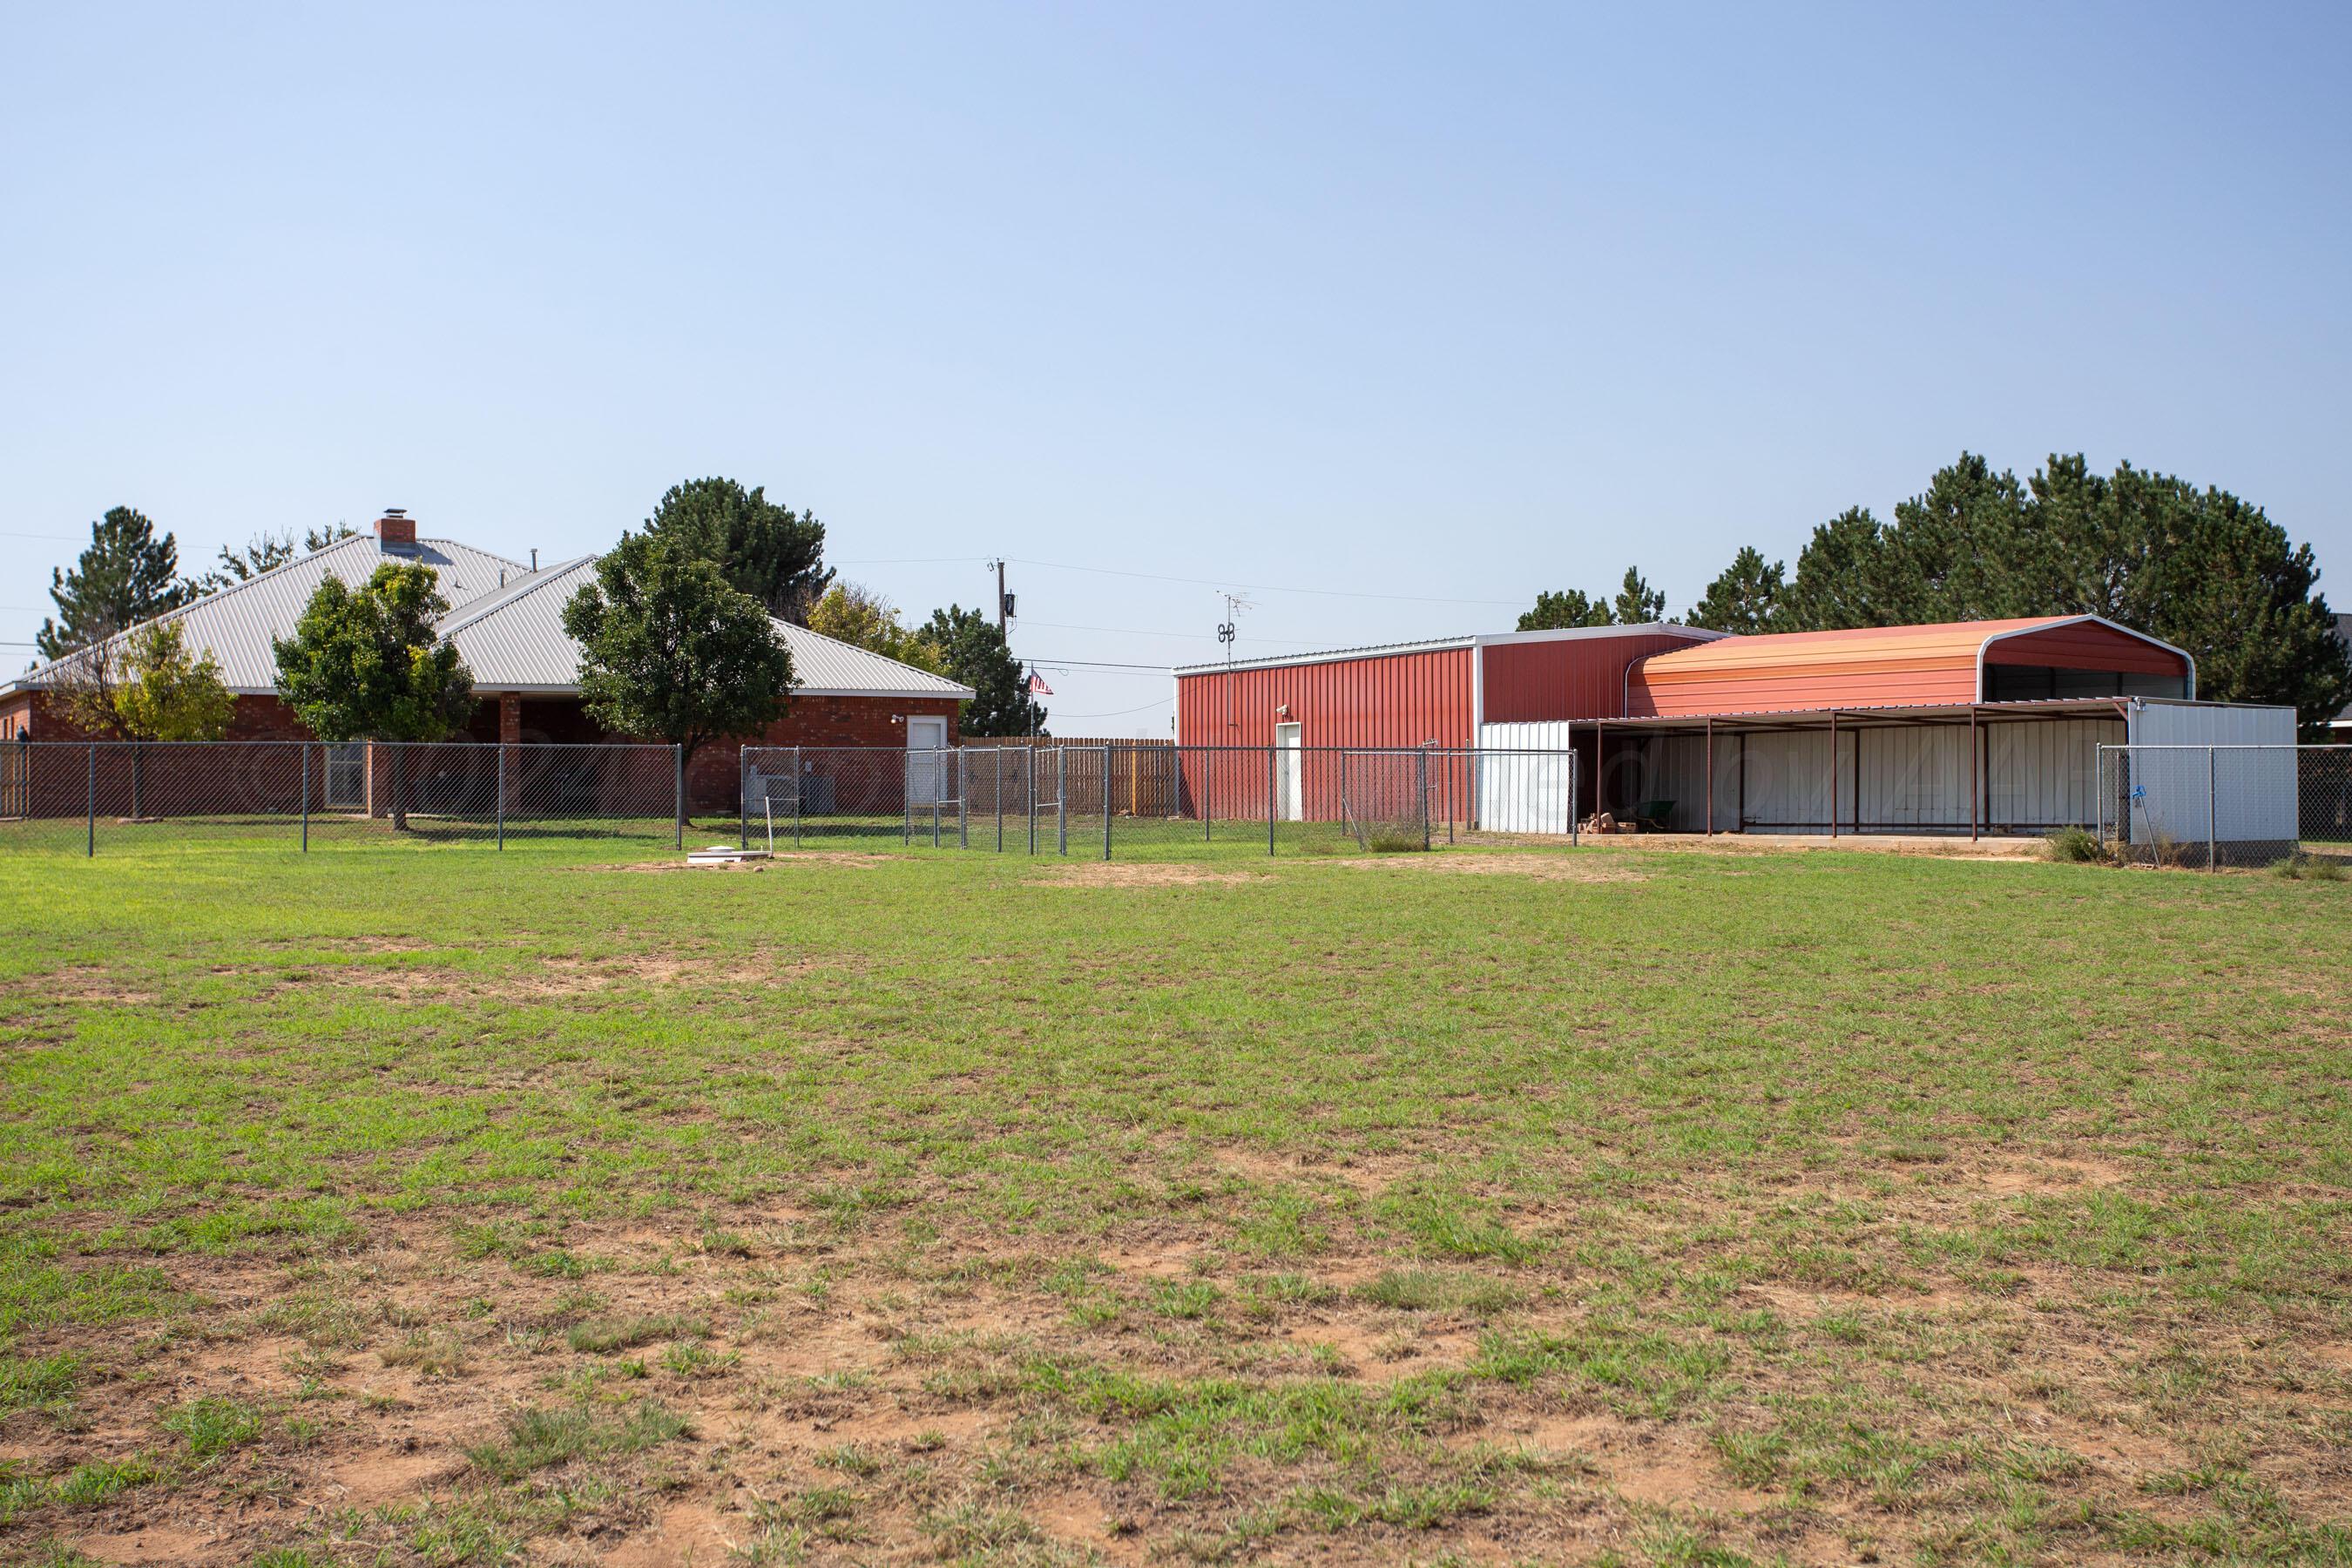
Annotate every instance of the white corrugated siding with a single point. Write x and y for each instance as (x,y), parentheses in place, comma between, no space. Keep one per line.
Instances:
(2044,775)
(2252,791)
(1910,776)
(1526,777)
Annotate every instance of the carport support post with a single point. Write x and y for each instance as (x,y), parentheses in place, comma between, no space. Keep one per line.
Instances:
(1710,775)
(1832,772)
(1973,803)
(90,849)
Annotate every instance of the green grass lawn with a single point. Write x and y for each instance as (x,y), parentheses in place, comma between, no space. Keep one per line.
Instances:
(433,1205)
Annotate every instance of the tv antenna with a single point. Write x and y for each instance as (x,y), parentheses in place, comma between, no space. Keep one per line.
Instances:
(1229,628)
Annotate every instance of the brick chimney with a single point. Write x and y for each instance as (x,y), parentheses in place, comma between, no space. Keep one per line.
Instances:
(395,527)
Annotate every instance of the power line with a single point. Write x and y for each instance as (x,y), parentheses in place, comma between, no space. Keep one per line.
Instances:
(1098,664)
(1139,632)
(52,538)
(1193,581)
(1116,712)
(1260,587)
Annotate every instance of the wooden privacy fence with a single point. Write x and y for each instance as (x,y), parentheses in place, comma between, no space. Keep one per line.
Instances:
(1144,778)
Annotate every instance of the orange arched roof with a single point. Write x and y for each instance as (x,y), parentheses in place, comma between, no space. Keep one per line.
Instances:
(1882,667)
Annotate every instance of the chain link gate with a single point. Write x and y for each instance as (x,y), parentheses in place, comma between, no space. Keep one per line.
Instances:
(2217,807)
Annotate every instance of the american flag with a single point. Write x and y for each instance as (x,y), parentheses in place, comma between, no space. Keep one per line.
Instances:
(1037,687)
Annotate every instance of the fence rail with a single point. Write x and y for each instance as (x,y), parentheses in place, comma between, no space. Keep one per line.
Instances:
(89,796)
(1098,799)
(2217,807)
(1104,798)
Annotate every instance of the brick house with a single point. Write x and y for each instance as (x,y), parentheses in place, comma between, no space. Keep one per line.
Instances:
(506,621)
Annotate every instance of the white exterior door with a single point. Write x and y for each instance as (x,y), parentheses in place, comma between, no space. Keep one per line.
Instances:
(1289,781)
(925,740)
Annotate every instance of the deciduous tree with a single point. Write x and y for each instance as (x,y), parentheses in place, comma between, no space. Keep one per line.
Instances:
(669,651)
(368,664)
(770,552)
(856,615)
(168,691)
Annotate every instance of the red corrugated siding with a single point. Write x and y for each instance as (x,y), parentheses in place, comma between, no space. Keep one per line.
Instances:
(1391,699)
(1574,678)
(2086,647)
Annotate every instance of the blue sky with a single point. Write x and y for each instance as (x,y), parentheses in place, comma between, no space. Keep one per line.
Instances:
(1422,308)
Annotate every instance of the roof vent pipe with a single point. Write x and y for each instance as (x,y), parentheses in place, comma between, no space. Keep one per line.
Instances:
(534,560)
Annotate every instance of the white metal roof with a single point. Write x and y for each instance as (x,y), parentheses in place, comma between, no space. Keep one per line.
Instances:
(1439,645)
(238,623)
(514,641)
(507,624)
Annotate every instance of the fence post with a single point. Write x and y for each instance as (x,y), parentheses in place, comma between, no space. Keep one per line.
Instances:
(996,774)
(90,849)
(963,798)
(2211,795)
(906,801)
(799,780)
(742,797)
(502,795)
(2099,794)
(1061,801)
(302,755)
(1208,789)
(1030,773)
(1271,753)
(1106,800)
(1575,809)
(1420,787)
(677,787)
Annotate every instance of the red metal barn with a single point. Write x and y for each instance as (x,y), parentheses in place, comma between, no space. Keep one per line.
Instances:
(1410,697)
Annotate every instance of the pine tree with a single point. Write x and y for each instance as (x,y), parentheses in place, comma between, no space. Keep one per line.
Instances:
(973,653)
(1745,599)
(126,576)
(1637,603)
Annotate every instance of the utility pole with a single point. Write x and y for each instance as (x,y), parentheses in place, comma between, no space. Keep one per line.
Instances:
(1003,599)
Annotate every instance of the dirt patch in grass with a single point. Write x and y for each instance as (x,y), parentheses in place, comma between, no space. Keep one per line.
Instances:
(1564,866)
(867,858)
(1138,874)
(82,984)
(2052,1174)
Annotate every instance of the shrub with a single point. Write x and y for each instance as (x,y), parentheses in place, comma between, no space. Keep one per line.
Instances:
(2075,845)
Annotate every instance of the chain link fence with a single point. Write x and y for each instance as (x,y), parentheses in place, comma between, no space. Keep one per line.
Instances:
(2216,806)
(1093,800)
(89,797)
(1106,801)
